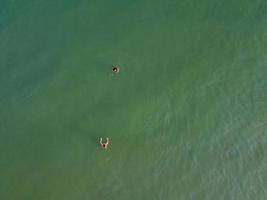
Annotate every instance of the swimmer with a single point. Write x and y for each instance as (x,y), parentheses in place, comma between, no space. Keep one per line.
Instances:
(115,69)
(105,144)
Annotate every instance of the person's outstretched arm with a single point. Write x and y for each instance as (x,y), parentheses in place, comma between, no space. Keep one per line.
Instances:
(101,140)
(107,140)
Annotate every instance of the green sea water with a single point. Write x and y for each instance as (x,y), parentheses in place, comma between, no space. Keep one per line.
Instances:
(186,115)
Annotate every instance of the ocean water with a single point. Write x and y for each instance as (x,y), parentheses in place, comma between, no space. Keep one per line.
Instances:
(186,115)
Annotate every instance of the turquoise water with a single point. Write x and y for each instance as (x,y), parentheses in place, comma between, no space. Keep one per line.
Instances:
(186,115)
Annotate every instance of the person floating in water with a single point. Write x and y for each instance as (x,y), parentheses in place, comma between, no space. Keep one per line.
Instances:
(115,69)
(104,145)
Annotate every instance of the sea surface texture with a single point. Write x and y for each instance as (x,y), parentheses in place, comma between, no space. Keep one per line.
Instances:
(186,115)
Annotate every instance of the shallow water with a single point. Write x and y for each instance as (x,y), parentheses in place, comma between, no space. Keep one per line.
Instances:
(186,115)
